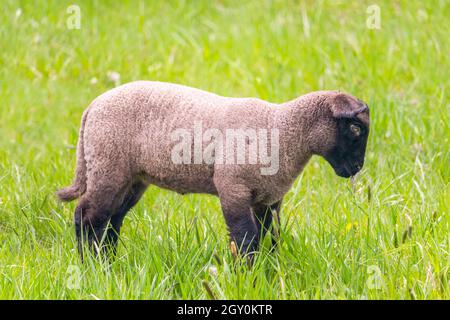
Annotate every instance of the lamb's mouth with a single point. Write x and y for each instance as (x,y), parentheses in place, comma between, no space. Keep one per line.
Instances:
(343,166)
(347,170)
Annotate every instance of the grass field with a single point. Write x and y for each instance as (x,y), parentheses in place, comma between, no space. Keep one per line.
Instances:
(384,236)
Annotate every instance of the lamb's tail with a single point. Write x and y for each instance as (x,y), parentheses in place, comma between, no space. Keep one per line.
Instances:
(78,188)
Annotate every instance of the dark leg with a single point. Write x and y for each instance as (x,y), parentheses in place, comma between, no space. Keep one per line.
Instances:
(264,215)
(239,219)
(263,218)
(97,206)
(243,231)
(91,219)
(113,232)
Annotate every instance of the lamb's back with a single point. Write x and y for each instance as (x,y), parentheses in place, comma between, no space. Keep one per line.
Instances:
(136,121)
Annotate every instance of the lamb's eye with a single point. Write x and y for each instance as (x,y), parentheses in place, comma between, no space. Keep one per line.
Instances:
(355,129)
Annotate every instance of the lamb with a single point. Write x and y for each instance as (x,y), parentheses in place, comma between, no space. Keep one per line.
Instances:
(132,136)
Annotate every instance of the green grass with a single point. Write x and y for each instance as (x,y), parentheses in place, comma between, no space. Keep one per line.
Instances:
(336,236)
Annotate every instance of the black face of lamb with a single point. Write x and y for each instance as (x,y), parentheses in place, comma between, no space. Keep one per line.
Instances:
(347,157)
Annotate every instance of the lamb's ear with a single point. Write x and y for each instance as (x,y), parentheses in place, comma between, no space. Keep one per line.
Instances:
(342,107)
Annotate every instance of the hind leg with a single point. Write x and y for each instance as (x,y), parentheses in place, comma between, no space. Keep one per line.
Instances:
(132,197)
(95,209)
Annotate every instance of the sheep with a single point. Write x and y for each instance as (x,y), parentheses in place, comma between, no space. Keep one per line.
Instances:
(132,136)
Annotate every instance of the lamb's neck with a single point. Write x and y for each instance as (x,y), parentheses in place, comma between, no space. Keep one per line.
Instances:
(295,120)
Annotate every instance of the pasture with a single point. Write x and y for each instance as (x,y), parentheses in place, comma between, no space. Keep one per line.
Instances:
(384,235)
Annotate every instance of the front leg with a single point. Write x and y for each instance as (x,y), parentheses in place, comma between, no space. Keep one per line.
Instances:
(236,207)
(264,216)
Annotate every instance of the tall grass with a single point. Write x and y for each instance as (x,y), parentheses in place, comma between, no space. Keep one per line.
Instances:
(384,236)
